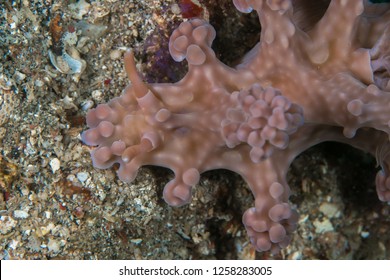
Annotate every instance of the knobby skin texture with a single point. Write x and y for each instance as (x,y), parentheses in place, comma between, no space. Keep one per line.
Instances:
(302,84)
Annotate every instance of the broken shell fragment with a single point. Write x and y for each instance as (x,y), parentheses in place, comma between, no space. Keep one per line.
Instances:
(67,64)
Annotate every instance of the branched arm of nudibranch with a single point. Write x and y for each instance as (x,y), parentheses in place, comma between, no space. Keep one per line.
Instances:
(122,133)
(276,22)
(192,41)
(338,25)
(372,23)
(369,110)
(270,223)
(179,190)
(277,27)
(332,41)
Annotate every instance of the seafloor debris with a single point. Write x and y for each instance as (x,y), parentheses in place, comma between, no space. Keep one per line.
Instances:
(67,43)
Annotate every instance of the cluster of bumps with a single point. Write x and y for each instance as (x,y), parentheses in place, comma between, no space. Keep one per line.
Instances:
(302,84)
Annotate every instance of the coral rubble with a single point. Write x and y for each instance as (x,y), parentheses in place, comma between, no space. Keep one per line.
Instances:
(329,81)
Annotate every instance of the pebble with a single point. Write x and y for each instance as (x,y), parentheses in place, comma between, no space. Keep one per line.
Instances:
(323,226)
(115,54)
(296,256)
(18,76)
(55,164)
(136,241)
(38,83)
(175,9)
(53,246)
(86,105)
(82,176)
(3,132)
(13,244)
(48,214)
(330,210)
(45,230)
(120,201)
(97,95)
(20,214)
(6,224)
